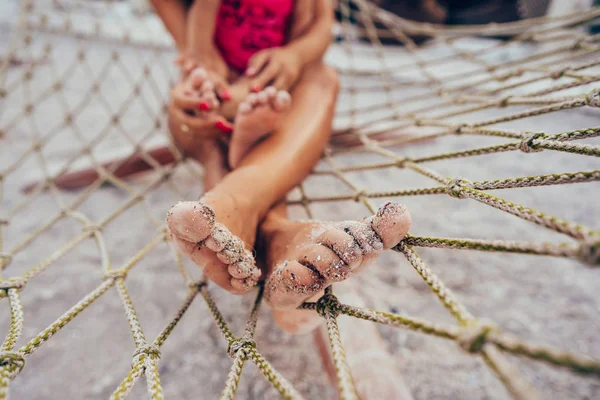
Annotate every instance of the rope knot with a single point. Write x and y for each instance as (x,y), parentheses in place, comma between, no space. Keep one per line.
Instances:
(240,344)
(115,274)
(197,284)
(473,337)
(91,228)
(589,251)
(559,73)
(150,350)
(12,283)
(357,197)
(592,99)
(456,188)
(458,128)
(527,145)
(401,163)
(503,102)
(12,358)
(328,304)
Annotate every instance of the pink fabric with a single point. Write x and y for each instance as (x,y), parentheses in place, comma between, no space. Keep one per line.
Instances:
(244,27)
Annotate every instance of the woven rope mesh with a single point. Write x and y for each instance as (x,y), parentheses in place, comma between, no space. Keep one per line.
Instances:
(489,142)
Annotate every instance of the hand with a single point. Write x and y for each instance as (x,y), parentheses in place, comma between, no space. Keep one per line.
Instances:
(216,68)
(186,100)
(278,67)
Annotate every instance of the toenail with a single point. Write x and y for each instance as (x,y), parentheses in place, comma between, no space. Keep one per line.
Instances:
(256,88)
(204,106)
(223,127)
(226,95)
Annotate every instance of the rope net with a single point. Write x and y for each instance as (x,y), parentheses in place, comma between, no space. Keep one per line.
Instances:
(406,109)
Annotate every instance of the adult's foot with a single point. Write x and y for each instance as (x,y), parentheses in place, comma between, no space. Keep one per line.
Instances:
(217,234)
(257,116)
(305,257)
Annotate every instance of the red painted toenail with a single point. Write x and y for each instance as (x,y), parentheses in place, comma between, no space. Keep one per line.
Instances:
(204,106)
(255,88)
(225,95)
(223,127)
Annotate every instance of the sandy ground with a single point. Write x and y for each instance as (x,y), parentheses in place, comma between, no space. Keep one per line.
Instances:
(542,299)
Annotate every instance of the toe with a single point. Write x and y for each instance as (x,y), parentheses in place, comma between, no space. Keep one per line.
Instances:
(271,92)
(233,250)
(242,268)
(242,286)
(218,238)
(244,107)
(252,99)
(342,244)
(282,101)
(391,223)
(207,87)
(365,237)
(325,261)
(290,284)
(262,97)
(191,221)
(197,77)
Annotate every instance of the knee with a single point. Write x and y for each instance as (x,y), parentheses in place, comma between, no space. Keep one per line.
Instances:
(325,76)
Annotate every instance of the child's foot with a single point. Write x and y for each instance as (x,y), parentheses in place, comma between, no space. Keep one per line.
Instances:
(306,257)
(257,116)
(201,86)
(217,235)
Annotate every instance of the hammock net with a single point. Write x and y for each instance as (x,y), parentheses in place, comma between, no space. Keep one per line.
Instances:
(446,126)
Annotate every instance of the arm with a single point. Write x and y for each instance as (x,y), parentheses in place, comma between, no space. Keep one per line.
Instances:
(173,15)
(312,44)
(201,28)
(282,66)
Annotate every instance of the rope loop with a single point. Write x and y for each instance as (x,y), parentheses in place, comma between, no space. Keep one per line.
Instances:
(589,251)
(456,188)
(14,358)
(473,337)
(150,350)
(240,344)
(592,99)
(526,145)
(328,304)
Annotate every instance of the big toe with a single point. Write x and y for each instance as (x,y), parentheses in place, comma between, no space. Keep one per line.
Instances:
(391,223)
(191,221)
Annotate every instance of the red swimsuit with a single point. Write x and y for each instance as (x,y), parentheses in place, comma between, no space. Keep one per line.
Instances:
(244,27)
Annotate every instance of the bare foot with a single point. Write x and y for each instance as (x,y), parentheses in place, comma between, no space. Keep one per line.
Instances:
(306,257)
(201,86)
(217,235)
(257,117)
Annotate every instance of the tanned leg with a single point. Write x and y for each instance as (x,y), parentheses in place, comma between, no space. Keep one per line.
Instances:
(218,231)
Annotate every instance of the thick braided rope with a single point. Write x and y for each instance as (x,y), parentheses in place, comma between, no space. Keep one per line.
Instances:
(481,339)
